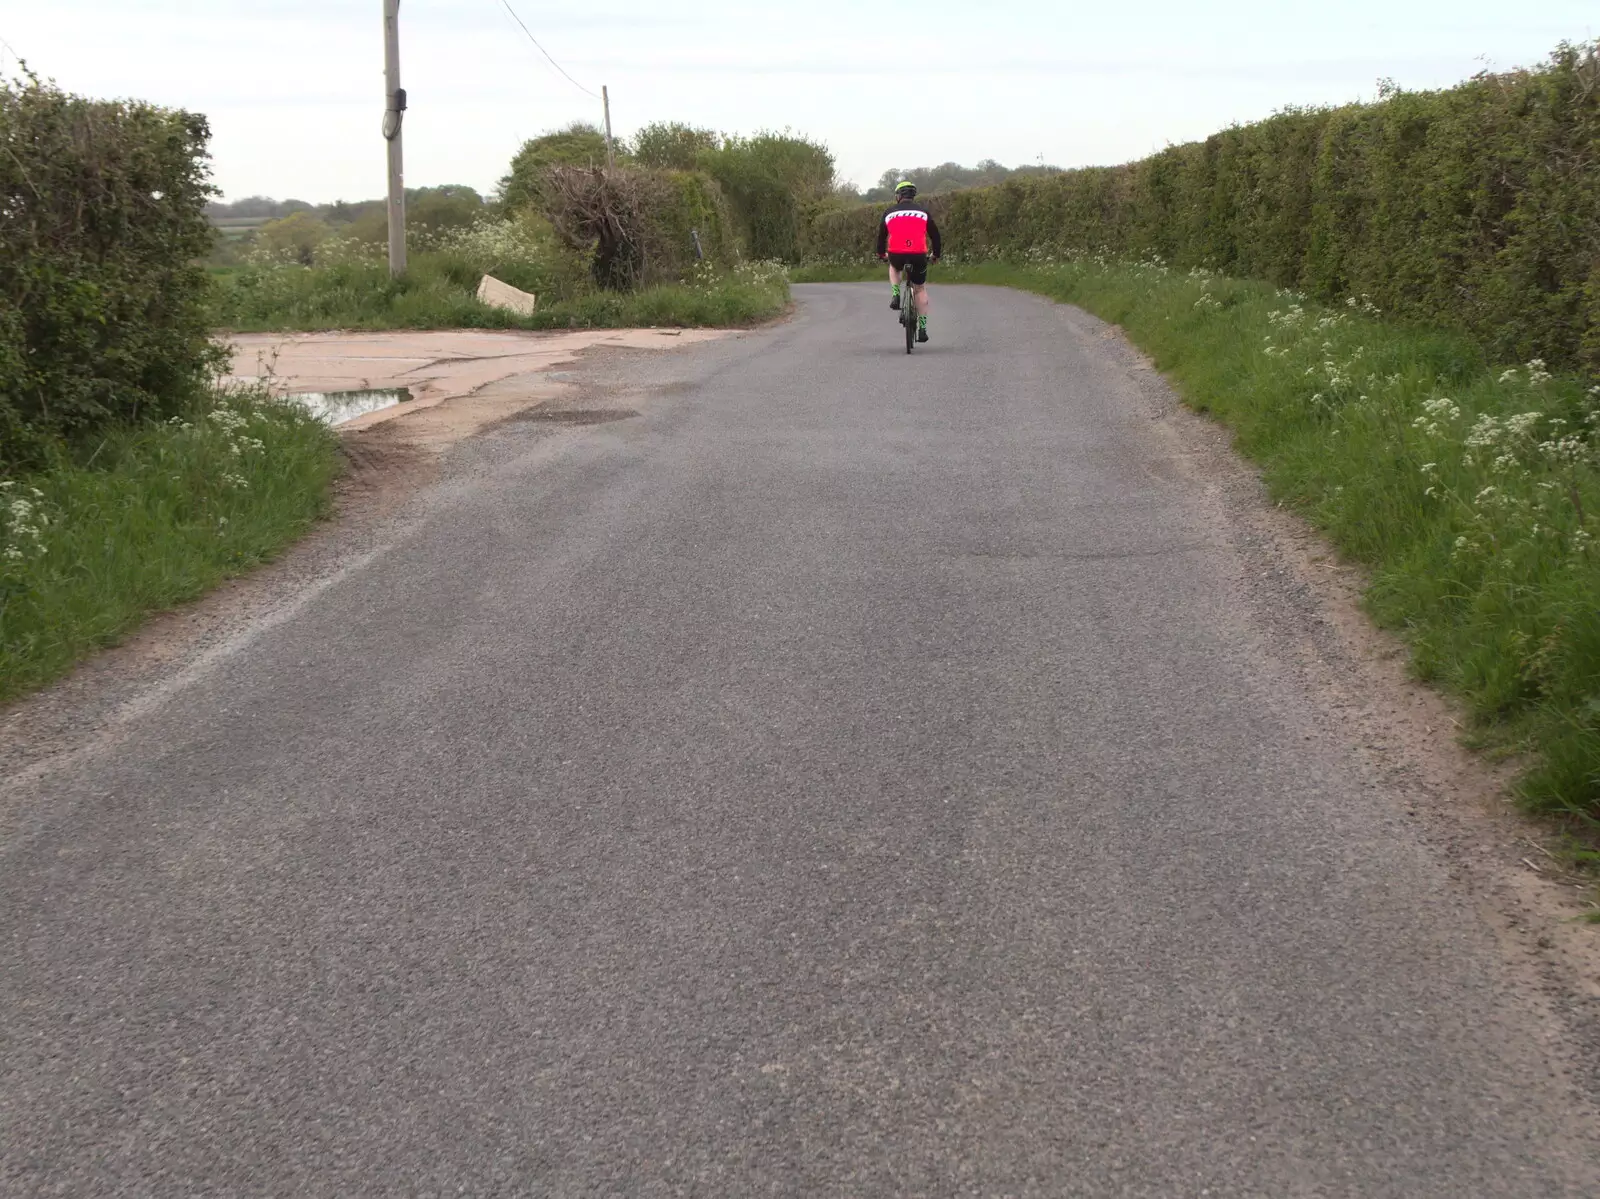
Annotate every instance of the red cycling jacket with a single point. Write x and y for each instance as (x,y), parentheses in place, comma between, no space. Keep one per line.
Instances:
(907,228)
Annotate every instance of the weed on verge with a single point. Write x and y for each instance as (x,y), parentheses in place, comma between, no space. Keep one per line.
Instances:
(147,517)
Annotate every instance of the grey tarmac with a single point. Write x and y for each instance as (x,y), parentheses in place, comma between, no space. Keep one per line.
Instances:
(855,774)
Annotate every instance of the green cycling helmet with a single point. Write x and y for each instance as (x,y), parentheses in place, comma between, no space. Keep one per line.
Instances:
(905,187)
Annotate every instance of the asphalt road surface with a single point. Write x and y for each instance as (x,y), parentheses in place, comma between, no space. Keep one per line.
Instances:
(853,775)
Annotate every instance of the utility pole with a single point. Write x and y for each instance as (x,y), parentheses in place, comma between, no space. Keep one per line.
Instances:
(605,98)
(394,110)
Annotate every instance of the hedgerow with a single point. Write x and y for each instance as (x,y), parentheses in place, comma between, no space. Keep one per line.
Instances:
(103,313)
(1475,208)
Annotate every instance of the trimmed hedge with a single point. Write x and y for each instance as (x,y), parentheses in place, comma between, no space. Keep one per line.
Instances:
(103,312)
(1476,207)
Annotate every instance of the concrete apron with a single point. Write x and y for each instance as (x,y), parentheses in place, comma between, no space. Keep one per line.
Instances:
(436,366)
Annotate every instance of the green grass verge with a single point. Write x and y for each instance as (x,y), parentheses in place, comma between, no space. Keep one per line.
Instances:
(1472,492)
(439,292)
(146,518)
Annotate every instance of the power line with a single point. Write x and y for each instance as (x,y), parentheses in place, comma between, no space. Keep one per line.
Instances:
(545,52)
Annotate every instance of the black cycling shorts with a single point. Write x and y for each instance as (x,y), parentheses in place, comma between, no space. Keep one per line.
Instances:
(917,264)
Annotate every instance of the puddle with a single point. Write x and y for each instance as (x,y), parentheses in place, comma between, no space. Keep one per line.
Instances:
(337,407)
(576,416)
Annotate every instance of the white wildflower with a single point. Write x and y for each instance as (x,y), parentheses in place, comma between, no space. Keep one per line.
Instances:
(1522,423)
(1564,449)
(1486,432)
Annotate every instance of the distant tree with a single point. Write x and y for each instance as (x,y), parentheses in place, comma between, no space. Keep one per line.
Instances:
(454,191)
(342,212)
(296,236)
(952,176)
(249,207)
(672,145)
(255,207)
(435,209)
(370,224)
(300,228)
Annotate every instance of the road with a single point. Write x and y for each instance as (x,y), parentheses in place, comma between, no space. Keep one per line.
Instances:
(852,775)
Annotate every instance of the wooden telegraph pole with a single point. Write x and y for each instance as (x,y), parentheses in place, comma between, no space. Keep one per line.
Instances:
(394,110)
(605,98)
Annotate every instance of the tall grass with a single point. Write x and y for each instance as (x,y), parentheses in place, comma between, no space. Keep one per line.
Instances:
(348,286)
(146,517)
(1471,491)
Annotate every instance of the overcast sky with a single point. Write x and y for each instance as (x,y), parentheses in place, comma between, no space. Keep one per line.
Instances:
(294,87)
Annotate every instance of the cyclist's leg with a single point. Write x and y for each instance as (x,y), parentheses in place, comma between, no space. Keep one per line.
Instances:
(918,271)
(899,273)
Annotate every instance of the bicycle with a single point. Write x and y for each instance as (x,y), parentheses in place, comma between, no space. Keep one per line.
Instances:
(908,308)
(910,317)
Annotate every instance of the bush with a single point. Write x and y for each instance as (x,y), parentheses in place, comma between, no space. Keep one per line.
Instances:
(1475,208)
(771,181)
(578,145)
(103,313)
(673,146)
(681,206)
(296,238)
(748,196)
(639,226)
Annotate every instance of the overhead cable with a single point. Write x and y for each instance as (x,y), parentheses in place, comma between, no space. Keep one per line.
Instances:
(545,52)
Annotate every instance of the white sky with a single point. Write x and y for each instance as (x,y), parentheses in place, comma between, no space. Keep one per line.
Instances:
(294,88)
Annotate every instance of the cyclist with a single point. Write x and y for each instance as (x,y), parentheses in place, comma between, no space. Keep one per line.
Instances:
(908,239)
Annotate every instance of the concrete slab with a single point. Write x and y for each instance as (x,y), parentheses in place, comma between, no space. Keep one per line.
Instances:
(436,365)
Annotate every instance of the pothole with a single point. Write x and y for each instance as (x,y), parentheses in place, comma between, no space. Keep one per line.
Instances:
(337,407)
(575,416)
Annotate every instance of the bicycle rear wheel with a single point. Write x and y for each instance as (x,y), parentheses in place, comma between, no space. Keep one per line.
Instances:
(908,314)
